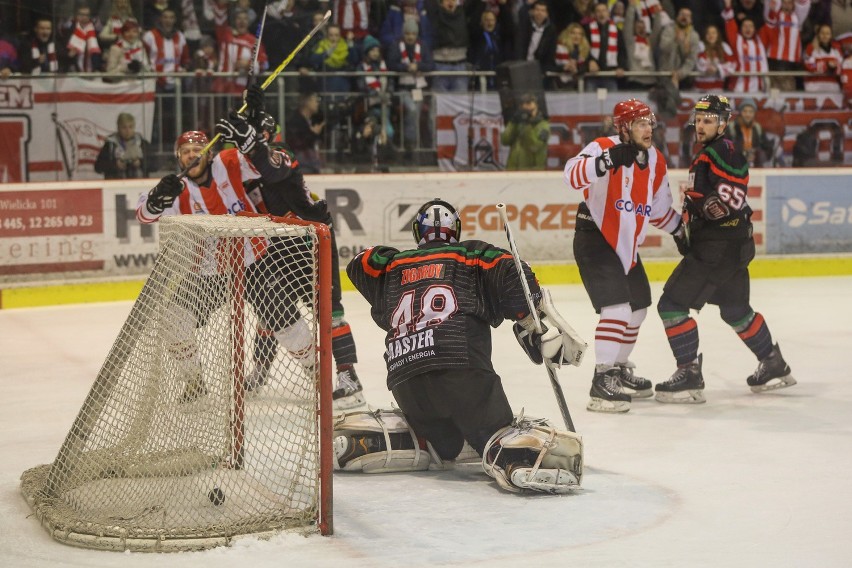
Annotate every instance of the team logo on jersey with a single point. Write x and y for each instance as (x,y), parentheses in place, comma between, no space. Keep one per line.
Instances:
(630,207)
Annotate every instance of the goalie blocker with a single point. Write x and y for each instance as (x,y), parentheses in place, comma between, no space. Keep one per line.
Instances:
(527,455)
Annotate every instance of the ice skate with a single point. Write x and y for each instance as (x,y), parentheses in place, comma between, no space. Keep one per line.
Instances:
(636,387)
(349,393)
(607,394)
(772,373)
(685,386)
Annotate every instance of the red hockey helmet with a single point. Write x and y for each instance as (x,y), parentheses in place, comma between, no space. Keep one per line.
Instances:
(190,137)
(627,111)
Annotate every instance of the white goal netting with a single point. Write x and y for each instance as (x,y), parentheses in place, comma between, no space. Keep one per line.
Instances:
(206,420)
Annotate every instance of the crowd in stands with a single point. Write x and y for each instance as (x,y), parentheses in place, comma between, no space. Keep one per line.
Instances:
(659,46)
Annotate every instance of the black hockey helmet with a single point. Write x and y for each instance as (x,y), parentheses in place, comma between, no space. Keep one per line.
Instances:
(267,124)
(715,105)
(436,220)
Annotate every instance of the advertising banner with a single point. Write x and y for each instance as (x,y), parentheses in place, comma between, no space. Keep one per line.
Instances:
(53,128)
(89,229)
(808,217)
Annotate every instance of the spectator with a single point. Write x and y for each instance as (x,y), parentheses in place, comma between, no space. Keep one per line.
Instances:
(168,52)
(236,47)
(153,10)
(537,37)
(526,135)
(307,83)
(749,137)
(120,11)
(679,46)
(353,18)
(375,87)
(783,43)
(748,10)
(749,51)
(607,51)
(580,11)
(41,57)
(412,58)
(8,58)
(485,51)
(824,60)
(83,49)
(715,62)
(303,131)
(641,37)
(205,60)
(246,5)
(286,25)
(125,154)
(571,58)
(451,40)
(332,54)
(127,55)
(406,11)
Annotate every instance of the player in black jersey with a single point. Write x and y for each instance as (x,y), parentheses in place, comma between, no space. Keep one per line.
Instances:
(717,247)
(437,303)
(291,195)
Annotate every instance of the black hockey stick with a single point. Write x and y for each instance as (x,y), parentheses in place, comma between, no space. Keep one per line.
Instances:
(554,380)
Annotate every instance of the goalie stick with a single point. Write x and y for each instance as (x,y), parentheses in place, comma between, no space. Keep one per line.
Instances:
(551,373)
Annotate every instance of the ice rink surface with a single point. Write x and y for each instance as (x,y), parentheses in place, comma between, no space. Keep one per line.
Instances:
(745,480)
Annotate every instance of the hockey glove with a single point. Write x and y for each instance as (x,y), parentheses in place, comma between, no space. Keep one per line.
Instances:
(236,130)
(681,238)
(615,157)
(164,194)
(255,104)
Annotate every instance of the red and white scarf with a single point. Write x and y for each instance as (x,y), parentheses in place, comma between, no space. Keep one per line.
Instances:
(50,60)
(85,41)
(131,51)
(611,46)
(374,83)
(410,80)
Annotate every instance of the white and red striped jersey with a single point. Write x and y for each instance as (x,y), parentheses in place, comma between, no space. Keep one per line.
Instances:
(714,80)
(225,194)
(166,55)
(817,61)
(750,54)
(623,201)
(781,36)
(233,48)
(352,16)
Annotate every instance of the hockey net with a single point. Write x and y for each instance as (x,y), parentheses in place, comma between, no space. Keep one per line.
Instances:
(180,445)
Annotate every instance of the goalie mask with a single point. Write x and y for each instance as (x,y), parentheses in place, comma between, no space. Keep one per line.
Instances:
(436,220)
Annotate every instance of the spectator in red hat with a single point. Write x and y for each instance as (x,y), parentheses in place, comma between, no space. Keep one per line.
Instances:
(127,54)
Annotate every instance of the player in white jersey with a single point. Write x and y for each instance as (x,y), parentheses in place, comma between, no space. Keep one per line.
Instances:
(625,186)
(215,187)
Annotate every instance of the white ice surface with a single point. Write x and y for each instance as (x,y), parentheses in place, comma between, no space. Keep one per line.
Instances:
(744,480)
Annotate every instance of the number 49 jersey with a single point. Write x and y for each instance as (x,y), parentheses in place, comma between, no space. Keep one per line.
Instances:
(436,303)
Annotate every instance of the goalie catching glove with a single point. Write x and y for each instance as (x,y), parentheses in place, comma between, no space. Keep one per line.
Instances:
(164,194)
(238,131)
(557,342)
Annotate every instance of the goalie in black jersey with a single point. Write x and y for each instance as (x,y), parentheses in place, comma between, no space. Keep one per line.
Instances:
(437,303)
(717,249)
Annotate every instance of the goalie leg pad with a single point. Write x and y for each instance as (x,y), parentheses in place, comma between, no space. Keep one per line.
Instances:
(377,442)
(531,455)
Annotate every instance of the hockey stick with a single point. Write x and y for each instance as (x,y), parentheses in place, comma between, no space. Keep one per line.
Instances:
(554,380)
(264,85)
